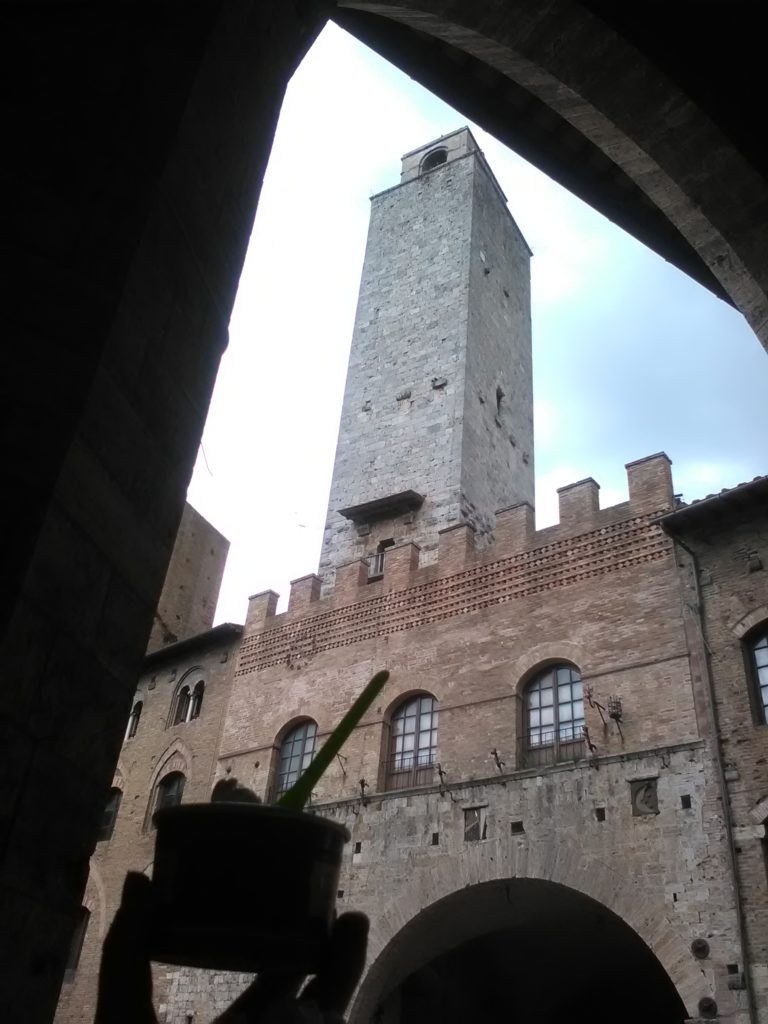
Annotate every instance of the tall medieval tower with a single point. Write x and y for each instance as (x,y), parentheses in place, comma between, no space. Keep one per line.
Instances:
(437,421)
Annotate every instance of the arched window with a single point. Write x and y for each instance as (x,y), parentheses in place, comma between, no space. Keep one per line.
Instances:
(109,815)
(412,743)
(189,703)
(169,791)
(296,753)
(758,654)
(554,716)
(182,706)
(133,720)
(196,703)
(434,159)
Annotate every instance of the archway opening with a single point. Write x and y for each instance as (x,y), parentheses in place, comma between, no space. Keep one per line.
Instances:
(517,950)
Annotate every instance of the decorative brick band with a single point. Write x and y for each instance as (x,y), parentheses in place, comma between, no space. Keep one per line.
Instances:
(604,550)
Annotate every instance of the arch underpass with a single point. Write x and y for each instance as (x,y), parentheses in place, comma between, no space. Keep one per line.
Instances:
(517,950)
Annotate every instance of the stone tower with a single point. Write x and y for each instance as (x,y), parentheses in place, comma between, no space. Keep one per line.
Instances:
(437,420)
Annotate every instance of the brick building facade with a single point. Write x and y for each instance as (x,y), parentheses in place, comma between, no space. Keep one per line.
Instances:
(563,776)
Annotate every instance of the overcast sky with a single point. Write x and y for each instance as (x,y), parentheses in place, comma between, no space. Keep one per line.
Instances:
(630,356)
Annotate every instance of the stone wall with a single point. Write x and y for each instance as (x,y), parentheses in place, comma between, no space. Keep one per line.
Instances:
(497,436)
(729,582)
(158,747)
(412,853)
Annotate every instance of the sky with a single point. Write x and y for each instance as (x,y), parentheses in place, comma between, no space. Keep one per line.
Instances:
(630,356)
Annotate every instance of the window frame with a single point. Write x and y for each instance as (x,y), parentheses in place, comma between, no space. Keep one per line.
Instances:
(133,720)
(561,747)
(107,824)
(187,703)
(478,822)
(408,767)
(757,640)
(298,731)
(196,701)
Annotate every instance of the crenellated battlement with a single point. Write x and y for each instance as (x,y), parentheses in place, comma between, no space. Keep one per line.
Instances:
(587,542)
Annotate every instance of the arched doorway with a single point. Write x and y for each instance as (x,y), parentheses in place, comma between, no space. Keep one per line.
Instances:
(517,950)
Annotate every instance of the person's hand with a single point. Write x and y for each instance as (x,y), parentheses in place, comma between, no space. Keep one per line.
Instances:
(125,977)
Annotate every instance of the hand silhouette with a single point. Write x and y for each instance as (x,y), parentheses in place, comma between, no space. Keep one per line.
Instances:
(125,977)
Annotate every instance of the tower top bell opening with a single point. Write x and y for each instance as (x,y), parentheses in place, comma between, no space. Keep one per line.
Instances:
(438,152)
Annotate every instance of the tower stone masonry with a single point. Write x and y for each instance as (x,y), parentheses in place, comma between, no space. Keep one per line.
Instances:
(437,420)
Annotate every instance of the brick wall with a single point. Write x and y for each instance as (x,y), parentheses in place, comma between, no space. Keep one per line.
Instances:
(730,540)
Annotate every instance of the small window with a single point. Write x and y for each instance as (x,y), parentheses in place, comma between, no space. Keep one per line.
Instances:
(169,791)
(475,824)
(376,561)
(758,654)
(76,943)
(109,815)
(133,720)
(296,753)
(434,159)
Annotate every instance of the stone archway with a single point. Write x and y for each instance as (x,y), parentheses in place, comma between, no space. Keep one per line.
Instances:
(518,949)
(639,908)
